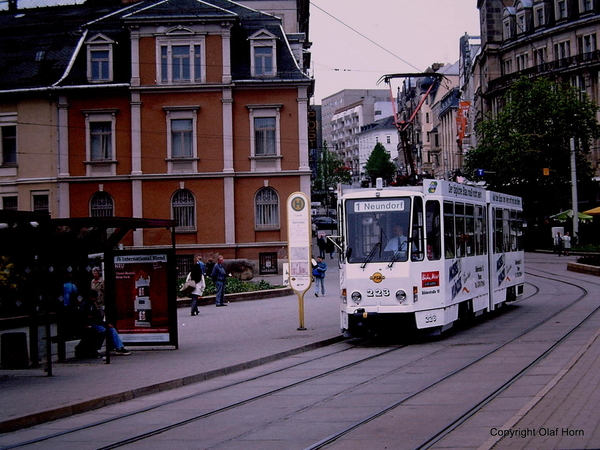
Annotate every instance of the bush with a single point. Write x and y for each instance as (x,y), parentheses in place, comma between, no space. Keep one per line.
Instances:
(232,286)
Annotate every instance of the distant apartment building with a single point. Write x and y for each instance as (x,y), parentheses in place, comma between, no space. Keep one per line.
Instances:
(343,115)
(536,38)
(382,132)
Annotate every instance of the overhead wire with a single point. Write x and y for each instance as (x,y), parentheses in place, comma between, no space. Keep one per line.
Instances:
(364,36)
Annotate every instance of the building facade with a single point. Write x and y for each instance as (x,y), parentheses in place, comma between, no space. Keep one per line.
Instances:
(428,105)
(382,132)
(343,115)
(180,109)
(537,38)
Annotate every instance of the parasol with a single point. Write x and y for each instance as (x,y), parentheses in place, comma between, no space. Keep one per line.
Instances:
(563,216)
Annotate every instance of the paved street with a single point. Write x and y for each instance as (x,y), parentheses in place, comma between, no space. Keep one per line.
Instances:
(549,406)
(218,340)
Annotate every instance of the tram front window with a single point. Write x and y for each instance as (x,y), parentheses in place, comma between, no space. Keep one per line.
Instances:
(377,229)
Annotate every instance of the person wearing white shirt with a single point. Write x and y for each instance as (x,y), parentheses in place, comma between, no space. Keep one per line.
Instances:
(399,243)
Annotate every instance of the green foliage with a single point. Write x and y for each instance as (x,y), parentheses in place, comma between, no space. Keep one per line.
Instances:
(533,132)
(380,164)
(232,286)
(331,170)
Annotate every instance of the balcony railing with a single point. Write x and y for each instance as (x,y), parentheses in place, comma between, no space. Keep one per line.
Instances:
(572,62)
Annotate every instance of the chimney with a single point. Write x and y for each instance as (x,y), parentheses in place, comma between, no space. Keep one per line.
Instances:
(12,5)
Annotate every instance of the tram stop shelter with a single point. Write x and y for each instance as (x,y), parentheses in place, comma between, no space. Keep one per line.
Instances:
(38,255)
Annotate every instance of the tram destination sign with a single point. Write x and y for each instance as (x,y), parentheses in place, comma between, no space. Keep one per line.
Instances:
(379,206)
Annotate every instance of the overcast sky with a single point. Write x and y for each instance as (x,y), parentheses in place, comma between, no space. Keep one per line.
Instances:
(413,33)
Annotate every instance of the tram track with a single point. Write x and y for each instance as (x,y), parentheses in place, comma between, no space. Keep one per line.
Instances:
(188,397)
(379,354)
(466,415)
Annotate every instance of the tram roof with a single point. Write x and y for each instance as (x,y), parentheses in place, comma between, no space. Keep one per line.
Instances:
(441,188)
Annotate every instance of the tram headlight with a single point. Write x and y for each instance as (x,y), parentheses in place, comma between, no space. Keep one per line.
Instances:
(356,297)
(400,295)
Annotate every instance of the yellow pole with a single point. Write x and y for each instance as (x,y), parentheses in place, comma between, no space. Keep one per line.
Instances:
(301,310)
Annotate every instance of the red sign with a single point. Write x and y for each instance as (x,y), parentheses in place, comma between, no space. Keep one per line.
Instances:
(430,279)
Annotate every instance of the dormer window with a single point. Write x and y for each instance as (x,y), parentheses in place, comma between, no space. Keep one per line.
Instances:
(586,6)
(99,59)
(263,59)
(181,58)
(539,16)
(560,9)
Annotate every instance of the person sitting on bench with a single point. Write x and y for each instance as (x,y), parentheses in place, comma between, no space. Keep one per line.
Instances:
(93,330)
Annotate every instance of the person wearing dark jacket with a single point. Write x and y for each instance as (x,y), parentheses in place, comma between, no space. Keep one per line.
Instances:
(219,276)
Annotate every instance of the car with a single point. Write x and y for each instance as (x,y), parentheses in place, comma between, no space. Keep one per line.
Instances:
(325,223)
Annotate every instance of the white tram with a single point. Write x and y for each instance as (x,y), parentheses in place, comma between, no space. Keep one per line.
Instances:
(425,256)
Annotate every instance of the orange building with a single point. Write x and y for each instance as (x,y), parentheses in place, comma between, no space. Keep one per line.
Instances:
(179,109)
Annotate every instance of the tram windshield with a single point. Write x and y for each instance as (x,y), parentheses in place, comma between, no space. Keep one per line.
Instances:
(377,230)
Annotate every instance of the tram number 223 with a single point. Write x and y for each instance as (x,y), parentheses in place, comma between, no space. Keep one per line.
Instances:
(378,292)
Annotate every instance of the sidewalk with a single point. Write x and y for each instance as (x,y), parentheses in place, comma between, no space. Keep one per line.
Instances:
(217,341)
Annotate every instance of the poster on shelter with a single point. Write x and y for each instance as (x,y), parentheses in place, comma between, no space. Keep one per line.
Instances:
(143,307)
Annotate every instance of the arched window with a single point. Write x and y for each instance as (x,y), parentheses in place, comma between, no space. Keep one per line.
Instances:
(102,205)
(183,206)
(267,208)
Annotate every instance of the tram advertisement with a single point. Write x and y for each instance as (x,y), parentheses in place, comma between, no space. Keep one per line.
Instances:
(141,288)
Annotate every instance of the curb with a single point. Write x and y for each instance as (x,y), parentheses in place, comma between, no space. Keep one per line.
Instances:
(100,402)
(182,302)
(584,268)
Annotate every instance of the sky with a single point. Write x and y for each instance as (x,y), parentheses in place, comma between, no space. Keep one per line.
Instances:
(398,36)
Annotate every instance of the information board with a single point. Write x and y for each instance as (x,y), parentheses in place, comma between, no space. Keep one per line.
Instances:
(299,248)
(299,241)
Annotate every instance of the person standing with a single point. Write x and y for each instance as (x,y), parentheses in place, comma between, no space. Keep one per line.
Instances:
(558,243)
(329,247)
(219,276)
(97,284)
(319,274)
(321,244)
(567,243)
(69,293)
(201,264)
(198,277)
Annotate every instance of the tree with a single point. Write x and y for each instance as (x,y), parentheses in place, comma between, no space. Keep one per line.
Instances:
(380,164)
(532,133)
(331,170)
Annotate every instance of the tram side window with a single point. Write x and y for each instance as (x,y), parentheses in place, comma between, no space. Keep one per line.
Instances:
(506,230)
(461,242)
(417,253)
(480,231)
(498,231)
(470,229)
(433,230)
(449,230)
(519,227)
(515,231)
